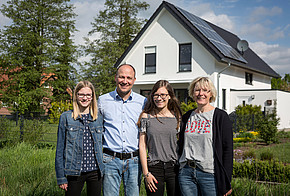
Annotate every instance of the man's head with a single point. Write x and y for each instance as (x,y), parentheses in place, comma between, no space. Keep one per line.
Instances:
(125,78)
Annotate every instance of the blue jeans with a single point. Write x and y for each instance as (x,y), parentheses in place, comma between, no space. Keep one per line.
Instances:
(196,182)
(115,170)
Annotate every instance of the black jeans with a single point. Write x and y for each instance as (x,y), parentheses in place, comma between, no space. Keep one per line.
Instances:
(165,173)
(76,184)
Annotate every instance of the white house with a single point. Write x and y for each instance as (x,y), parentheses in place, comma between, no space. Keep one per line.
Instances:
(178,46)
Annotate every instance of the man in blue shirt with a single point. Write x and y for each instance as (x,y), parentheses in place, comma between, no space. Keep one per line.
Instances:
(121,109)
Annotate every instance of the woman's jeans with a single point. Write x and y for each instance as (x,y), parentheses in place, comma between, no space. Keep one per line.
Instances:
(193,181)
(76,184)
(165,172)
(115,170)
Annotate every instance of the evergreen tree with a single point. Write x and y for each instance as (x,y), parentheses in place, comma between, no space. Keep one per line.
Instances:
(36,44)
(116,26)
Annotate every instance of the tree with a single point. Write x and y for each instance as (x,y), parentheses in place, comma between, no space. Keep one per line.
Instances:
(281,84)
(117,26)
(37,42)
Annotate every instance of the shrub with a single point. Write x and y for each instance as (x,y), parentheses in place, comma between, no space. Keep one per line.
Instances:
(33,131)
(249,154)
(268,128)
(272,171)
(267,155)
(57,108)
(186,107)
(5,126)
(242,139)
(246,118)
(283,134)
(245,134)
(9,132)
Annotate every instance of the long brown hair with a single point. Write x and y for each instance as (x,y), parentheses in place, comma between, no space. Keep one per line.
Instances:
(173,103)
(93,106)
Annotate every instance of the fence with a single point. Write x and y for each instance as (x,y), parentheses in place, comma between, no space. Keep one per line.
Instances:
(30,126)
(34,128)
(244,123)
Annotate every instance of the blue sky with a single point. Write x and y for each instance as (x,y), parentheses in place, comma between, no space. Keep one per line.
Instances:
(265,24)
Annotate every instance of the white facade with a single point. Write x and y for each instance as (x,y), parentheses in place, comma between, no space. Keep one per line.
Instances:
(267,99)
(165,33)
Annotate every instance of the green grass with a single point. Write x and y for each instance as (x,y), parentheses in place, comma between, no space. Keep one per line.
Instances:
(280,151)
(51,133)
(26,170)
(244,186)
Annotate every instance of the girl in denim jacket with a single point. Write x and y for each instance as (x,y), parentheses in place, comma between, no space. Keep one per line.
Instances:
(79,156)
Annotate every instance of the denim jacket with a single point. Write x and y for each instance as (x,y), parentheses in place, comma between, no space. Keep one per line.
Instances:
(69,149)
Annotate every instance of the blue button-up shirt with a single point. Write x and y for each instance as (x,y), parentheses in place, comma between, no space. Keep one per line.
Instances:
(120,118)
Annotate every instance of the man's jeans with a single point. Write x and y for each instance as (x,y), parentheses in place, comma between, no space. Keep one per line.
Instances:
(115,170)
(193,181)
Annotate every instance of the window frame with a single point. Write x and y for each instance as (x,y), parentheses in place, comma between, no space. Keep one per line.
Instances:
(149,54)
(248,78)
(187,62)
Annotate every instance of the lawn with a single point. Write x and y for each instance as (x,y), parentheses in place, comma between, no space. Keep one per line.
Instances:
(29,170)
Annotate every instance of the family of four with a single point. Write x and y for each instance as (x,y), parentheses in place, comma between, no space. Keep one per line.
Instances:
(122,135)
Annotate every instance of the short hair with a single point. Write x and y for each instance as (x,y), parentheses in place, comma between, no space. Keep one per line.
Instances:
(93,106)
(128,65)
(203,82)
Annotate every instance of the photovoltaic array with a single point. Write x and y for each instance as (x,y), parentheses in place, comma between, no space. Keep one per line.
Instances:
(213,36)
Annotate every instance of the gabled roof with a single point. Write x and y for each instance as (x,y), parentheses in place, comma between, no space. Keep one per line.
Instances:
(223,47)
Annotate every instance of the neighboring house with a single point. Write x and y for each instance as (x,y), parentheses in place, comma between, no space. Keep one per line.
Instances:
(45,101)
(178,46)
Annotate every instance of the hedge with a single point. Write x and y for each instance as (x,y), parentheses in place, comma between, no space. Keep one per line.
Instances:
(270,171)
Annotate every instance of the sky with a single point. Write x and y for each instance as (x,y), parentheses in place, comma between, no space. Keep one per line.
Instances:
(265,24)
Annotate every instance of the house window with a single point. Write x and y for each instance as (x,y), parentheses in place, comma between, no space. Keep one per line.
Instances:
(182,95)
(150,59)
(145,93)
(224,99)
(249,78)
(185,57)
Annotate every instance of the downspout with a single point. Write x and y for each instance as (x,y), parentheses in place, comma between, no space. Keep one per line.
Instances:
(218,83)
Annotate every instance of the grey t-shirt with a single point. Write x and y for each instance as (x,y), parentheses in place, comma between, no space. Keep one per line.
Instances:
(161,138)
(198,144)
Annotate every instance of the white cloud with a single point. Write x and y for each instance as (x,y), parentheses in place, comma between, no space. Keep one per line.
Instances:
(205,11)
(261,32)
(221,20)
(276,56)
(86,11)
(261,12)
(4,20)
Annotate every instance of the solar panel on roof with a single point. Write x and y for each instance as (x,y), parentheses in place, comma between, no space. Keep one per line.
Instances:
(213,36)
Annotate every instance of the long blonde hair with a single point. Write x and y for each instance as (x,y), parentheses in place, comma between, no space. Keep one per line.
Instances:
(93,106)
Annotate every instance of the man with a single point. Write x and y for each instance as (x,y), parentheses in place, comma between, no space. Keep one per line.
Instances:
(121,109)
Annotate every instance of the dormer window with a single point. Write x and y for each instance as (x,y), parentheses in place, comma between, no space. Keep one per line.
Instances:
(185,57)
(150,59)
(249,78)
